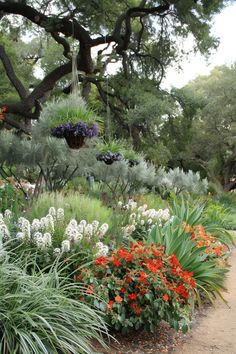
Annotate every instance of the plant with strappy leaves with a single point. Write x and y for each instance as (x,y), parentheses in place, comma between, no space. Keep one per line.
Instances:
(39,313)
(208,275)
(176,238)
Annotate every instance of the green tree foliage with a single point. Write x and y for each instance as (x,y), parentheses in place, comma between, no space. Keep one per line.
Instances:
(143,36)
(200,133)
(22,67)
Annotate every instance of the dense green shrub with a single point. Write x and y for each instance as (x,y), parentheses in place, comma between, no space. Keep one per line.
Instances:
(11,198)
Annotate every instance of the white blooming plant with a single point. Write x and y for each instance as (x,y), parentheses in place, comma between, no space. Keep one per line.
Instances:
(138,221)
(53,235)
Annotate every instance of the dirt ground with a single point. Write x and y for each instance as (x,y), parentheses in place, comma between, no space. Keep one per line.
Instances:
(215,330)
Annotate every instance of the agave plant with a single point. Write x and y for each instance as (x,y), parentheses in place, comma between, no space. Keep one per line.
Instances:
(39,313)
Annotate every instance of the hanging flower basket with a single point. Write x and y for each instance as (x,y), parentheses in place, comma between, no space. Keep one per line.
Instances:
(109,157)
(75,134)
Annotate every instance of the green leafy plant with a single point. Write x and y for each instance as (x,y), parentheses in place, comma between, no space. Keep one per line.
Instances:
(11,198)
(38,314)
(113,146)
(75,205)
(195,213)
(140,286)
(208,273)
(216,213)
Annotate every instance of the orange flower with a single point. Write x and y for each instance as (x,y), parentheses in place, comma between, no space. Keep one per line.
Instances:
(138,310)
(200,244)
(132,297)
(132,305)
(118,299)
(2,110)
(109,305)
(90,289)
(186,227)
(128,279)
(217,251)
(165,297)
(101,261)
(122,290)
(116,261)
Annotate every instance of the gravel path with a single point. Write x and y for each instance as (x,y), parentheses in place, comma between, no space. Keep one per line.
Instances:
(215,330)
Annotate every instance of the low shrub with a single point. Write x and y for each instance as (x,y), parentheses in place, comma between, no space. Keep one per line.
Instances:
(76,206)
(140,286)
(216,213)
(11,198)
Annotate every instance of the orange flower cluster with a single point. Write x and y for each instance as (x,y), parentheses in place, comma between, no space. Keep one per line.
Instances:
(141,270)
(204,239)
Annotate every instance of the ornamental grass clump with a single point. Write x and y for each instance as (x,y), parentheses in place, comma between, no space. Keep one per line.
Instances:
(140,286)
(39,316)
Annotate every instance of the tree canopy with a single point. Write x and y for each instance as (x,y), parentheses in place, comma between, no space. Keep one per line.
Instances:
(144,36)
(200,132)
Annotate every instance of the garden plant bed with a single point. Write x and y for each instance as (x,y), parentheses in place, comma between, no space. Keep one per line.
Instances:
(213,329)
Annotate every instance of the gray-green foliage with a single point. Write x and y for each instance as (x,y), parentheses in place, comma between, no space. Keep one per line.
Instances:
(120,176)
(177,181)
(55,162)
(38,314)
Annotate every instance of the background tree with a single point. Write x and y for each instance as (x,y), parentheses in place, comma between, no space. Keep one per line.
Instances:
(200,133)
(142,35)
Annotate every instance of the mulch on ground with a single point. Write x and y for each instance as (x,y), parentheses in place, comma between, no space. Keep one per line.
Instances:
(163,340)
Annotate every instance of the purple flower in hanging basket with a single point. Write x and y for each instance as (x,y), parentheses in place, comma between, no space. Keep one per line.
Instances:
(58,132)
(77,129)
(109,157)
